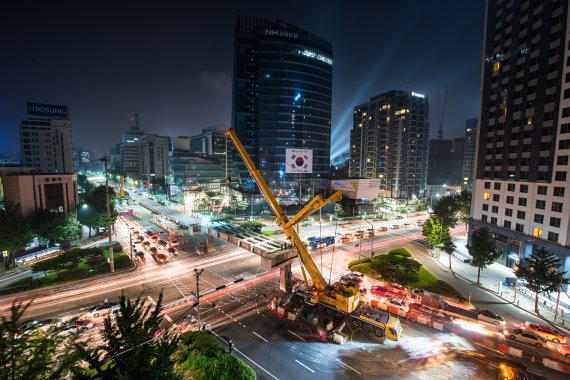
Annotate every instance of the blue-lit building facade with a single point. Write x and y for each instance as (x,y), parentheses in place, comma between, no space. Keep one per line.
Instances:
(282,94)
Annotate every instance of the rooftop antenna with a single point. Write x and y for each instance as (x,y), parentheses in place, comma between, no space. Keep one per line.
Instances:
(440,132)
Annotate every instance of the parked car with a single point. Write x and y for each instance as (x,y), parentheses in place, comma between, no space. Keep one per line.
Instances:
(395,227)
(75,327)
(397,289)
(30,326)
(564,350)
(369,233)
(172,251)
(379,290)
(399,304)
(359,234)
(153,250)
(545,332)
(419,223)
(382,229)
(525,336)
(406,225)
(101,309)
(140,254)
(490,317)
(344,239)
(161,258)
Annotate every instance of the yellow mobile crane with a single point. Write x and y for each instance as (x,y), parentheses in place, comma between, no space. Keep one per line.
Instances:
(338,296)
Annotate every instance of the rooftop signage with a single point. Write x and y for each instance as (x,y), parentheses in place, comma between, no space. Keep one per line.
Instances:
(48,110)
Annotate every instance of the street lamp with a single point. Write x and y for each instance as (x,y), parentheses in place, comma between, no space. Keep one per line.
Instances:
(197,273)
(372,242)
(105,159)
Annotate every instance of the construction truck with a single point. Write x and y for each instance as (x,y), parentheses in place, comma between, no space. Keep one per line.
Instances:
(340,300)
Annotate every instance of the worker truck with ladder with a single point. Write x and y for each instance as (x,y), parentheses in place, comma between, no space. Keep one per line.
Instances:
(340,301)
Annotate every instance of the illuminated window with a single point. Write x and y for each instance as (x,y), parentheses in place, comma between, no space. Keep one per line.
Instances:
(529,121)
(505,111)
(486,196)
(537,232)
(496,66)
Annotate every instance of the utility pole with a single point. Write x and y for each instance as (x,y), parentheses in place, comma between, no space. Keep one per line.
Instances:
(105,159)
(197,273)
(558,299)
(372,242)
(517,277)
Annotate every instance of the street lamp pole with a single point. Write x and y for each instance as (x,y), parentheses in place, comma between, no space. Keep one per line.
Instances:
(105,159)
(197,273)
(372,242)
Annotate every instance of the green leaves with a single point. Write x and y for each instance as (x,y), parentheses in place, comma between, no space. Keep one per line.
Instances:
(15,232)
(252,225)
(396,268)
(483,250)
(541,272)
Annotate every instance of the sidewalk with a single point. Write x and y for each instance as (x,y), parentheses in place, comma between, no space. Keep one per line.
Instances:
(493,280)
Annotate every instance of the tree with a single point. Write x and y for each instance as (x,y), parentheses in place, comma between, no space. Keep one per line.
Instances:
(43,354)
(541,273)
(95,214)
(433,231)
(15,233)
(252,225)
(448,245)
(203,205)
(483,250)
(338,209)
(48,226)
(71,228)
(200,356)
(446,209)
(463,207)
(133,347)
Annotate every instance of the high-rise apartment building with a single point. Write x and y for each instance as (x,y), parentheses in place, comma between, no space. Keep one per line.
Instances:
(131,150)
(523,148)
(282,92)
(469,156)
(389,140)
(445,161)
(155,150)
(45,138)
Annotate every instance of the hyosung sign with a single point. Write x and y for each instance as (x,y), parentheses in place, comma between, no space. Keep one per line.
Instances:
(48,110)
(298,160)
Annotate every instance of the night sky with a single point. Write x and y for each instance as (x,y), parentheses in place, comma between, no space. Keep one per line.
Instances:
(171,61)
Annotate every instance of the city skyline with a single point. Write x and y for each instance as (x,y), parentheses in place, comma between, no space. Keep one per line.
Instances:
(112,72)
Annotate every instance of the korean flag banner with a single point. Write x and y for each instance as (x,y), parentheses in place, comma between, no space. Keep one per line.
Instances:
(298,160)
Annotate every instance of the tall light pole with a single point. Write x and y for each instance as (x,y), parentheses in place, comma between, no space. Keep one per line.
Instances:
(197,273)
(105,159)
(372,242)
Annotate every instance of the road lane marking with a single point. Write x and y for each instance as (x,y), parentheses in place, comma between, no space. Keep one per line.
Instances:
(349,367)
(297,335)
(304,366)
(260,336)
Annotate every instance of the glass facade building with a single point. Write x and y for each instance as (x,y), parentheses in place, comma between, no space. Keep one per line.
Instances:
(282,92)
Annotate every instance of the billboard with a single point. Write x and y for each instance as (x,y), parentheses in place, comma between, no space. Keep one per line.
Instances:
(48,110)
(298,160)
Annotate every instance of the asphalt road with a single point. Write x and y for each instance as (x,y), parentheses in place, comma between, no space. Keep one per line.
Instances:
(272,346)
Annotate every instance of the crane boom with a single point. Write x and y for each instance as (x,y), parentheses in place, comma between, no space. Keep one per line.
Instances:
(318,280)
